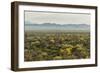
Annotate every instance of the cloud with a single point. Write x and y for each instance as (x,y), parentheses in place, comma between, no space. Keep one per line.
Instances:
(59,18)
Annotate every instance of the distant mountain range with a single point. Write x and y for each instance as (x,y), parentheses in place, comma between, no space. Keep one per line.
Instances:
(54,26)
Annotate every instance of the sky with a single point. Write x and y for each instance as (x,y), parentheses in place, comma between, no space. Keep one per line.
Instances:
(55,17)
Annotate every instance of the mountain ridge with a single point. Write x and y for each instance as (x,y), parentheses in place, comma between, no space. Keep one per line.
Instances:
(54,26)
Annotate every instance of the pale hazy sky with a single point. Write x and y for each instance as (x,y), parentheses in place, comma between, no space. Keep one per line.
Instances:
(59,18)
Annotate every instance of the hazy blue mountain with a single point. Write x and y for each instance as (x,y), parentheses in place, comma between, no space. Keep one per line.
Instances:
(54,26)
